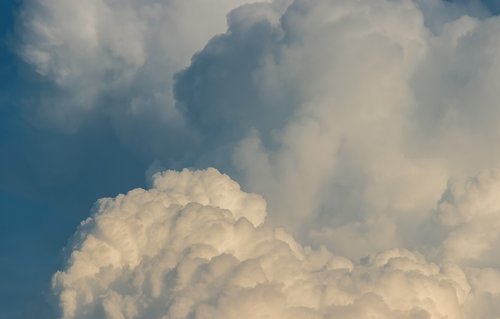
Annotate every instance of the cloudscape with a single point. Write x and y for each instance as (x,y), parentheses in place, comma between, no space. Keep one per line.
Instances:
(274,159)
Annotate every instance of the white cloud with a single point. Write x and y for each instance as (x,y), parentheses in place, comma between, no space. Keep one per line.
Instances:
(195,246)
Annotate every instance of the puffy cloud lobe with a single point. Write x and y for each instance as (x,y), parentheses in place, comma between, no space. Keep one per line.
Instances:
(138,237)
(196,246)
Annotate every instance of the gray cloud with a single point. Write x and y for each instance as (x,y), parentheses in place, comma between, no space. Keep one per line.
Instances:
(351,116)
(116,60)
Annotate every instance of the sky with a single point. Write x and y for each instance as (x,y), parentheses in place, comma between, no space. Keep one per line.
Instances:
(348,140)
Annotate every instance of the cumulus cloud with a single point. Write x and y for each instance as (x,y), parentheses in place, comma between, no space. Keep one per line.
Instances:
(351,118)
(196,246)
(326,107)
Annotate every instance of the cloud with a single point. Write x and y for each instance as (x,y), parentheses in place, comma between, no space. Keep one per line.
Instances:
(115,61)
(317,108)
(196,246)
(469,211)
(346,116)
(349,117)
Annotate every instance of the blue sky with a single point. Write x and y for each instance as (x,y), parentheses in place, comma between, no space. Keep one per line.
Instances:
(48,184)
(49,180)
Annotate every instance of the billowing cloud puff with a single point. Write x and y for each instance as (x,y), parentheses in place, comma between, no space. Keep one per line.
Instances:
(196,246)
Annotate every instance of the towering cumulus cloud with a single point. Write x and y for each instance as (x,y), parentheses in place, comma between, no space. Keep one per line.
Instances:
(363,124)
(196,246)
(349,116)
